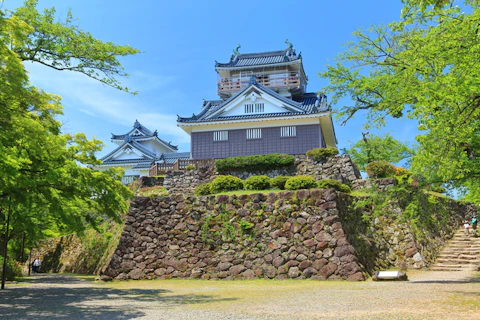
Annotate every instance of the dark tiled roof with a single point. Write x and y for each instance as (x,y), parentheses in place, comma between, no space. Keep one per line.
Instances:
(143,165)
(134,144)
(147,134)
(170,158)
(309,103)
(260,58)
(126,161)
(136,126)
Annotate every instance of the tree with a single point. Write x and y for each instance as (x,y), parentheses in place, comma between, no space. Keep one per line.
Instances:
(46,180)
(376,148)
(63,46)
(425,67)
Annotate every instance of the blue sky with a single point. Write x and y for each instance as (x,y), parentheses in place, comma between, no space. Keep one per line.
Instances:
(180,41)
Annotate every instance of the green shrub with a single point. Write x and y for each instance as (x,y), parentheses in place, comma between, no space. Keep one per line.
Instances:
(300,182)
(190,167)
(321,154)
(257,183)
(337,185)
(203,189)
(380,169)
(279,182)
(254,163)
(226,183)
(14,269)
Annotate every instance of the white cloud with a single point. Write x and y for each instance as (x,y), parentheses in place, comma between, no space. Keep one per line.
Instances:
(97,100)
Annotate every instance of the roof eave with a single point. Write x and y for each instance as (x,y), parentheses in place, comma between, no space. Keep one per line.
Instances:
(299,116)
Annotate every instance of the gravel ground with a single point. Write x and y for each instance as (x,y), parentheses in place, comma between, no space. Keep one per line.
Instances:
(428,295)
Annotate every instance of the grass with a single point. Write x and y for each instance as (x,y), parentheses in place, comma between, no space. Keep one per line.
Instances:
(362,193)
(155,191)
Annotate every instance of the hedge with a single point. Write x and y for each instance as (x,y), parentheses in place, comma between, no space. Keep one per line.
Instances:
(254,163)
(337,185)
(279,182)
(226,183)
(257,183)
(380,169)
(203,189)
(321,154)
(300,182)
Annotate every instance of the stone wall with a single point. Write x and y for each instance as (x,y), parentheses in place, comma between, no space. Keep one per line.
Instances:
(317,234)
(186,181)
(278,236)
(379,184)
(391,239)
(340,168)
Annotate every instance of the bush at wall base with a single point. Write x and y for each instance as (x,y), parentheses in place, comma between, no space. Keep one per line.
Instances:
(257,183)
(337,185)
(300,182)
(279,182)
(203,189)
(255,163)
(380,169)
(226,183)
(322,154)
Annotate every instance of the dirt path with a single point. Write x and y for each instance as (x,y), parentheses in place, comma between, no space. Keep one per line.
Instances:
(428,295)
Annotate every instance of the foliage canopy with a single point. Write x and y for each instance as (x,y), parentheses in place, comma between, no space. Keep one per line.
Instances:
(424,67)
(47,184)
(375,148)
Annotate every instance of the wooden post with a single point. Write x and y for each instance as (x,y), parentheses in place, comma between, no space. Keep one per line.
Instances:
(175,166)
(4,267)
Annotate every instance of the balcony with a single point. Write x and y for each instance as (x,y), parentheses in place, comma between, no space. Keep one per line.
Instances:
(226,86)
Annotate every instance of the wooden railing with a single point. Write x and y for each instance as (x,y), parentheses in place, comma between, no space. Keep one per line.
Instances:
(275,81)
(179,165)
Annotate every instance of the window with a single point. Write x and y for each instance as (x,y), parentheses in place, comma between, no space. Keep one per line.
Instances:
(254,133)
(253,108)
(220,135)
(288,131)
(259,107)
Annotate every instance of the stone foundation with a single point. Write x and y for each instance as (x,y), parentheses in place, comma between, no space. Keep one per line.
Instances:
(340,168)
(316,234)
(277,236)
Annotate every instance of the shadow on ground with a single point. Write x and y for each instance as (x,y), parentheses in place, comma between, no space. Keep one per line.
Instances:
(68,297)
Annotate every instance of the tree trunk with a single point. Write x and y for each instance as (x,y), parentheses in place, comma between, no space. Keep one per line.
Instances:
(4,268)
(22,248)
(30,260)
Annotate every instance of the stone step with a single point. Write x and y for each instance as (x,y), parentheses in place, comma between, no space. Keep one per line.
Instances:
(453,266)
(468,240)
(463,245)
(459,256)
(465,239)
(462,251)
(456,261)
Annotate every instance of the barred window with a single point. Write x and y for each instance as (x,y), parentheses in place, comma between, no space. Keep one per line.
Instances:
(288,131)
(253,108)
(220,135)
(254,133)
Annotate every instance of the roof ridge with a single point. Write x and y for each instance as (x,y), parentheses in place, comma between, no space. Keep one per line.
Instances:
(263,54)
